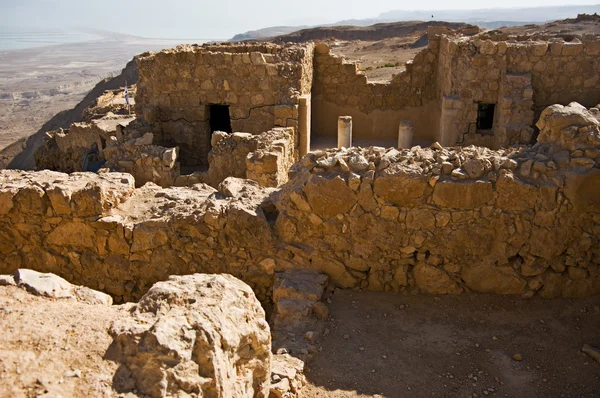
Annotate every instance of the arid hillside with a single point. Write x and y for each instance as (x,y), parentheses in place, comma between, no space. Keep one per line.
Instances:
(582,25)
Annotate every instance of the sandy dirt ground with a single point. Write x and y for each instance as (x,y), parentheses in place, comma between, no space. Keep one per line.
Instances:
(37,83)
(54,347)
(379,345)
(456,346)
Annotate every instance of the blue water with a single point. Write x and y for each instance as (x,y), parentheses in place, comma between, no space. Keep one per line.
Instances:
(19,38)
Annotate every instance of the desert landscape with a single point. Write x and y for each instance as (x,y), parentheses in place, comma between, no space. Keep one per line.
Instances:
(395,209)
(38,83)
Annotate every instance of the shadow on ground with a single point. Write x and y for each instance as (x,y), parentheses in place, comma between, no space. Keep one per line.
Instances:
(456,346)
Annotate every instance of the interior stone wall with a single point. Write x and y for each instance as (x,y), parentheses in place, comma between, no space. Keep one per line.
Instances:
(340,89)
(261,84)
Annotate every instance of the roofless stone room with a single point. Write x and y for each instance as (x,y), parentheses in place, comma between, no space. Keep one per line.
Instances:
(373,208)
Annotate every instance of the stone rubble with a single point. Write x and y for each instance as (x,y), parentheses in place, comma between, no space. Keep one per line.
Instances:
(52,286)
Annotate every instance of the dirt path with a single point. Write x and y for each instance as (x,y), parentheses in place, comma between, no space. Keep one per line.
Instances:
(456,346)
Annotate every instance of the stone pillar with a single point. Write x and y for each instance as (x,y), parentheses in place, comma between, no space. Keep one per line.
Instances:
(405,134)
(344,131)
(304,124)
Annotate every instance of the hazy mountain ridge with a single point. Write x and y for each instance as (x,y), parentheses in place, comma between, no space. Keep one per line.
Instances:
(491,18)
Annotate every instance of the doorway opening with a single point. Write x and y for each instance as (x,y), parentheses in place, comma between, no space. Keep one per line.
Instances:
(220,119)
(485,116)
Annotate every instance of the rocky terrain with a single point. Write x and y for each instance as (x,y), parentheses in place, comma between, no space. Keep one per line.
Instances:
(581,25)
(60,340)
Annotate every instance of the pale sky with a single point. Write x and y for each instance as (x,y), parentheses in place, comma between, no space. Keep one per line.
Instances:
(220,18)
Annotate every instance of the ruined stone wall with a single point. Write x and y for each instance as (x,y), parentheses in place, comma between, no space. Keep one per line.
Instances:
(98,231)
(520,77)
(376,107)
(437,220)
(260,84)
(519,221)
(64,150)
(144,161)
(264,158)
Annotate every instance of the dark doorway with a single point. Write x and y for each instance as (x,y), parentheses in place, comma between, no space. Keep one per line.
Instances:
(485,116)
(219,118)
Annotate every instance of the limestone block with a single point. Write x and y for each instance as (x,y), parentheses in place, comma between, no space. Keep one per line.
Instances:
(433,280)
(402,185)
(329,197)
(50,285)
(592,47)
(73,234)
(195,334)
(570,49)
(583,190)
(463,195)
(148,236)
(420,218)
(514,194)
(491,279)
(548,243)
(257,58)
(344,133)
(539,49)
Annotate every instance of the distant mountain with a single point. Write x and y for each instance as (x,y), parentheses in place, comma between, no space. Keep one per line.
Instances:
(375,32)
(266,32)
(491,18)
(532,14)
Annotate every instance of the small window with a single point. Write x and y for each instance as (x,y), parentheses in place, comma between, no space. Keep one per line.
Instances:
(485,116)
(219,118)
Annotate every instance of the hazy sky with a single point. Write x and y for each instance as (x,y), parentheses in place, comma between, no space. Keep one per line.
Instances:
(219,18)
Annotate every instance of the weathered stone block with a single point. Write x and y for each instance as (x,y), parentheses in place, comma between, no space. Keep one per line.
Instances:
(491,279)
(462,195)
(402,186)
(328,197)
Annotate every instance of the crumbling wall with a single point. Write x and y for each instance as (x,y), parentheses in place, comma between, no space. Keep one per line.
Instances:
(64,150)
(260,84)
(264,158)
(520,77)
(98,231)
(436,220)
(516,221)
(144,161)
(377,108)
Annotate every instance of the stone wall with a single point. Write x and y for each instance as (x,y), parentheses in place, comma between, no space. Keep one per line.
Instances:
(377,108)
(520,77)
(144,161)
(436,220)
(97,230)
(264,158)
(260,84)
(64,150)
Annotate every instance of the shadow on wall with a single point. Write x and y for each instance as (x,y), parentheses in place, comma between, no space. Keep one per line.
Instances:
(378,125)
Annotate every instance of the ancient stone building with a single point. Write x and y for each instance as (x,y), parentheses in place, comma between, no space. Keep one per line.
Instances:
(485,90)
(190,92)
